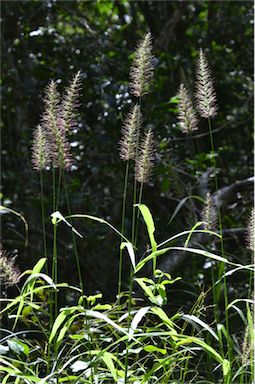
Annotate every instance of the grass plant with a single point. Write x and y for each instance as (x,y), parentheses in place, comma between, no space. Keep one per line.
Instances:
(129,341)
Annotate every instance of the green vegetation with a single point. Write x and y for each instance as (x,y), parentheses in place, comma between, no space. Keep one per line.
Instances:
(135,220)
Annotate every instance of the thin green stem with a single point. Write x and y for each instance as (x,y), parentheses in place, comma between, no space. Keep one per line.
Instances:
(58,190)
(43,221)
(131,279)
(55,264)
(73,237)
(222,265)
(135,184)
(78,266)
(131,275)
(53,190)
(131,282)
(55,276)
(123,228)
(134,212)
(192,147)
(138,212)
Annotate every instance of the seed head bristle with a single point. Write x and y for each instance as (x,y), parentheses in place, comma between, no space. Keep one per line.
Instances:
(141,72)
(205,93)
(144,162)
(186,113)
(250,231)
(9,273)
(130,133)
(209,213)
(70,102)
(40,150)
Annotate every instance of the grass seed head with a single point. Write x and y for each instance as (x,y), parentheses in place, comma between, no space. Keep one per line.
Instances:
(55,127)
(209,213)
(205,93)
(70,102)
(250,235)
(9,273)
(141,72)
(40,149)
(186,114)
(144,162)
(130,133)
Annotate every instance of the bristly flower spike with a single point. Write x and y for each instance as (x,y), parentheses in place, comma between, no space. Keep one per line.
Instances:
(141,72)
(250,231)
(51,100)
(40,150)
(130,133)
(205,93)
(209,213)
(54,126)
(9,273)
(186,114)
(70,102)
(60,146)
(144,162)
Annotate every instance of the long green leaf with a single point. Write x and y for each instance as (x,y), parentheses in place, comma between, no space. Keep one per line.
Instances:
(65,328)
(21,217)
(58,322)
(99,220)
(57,217)
(147,290)
(181,203)
(149,224)
(194,319)
(101,316)
(136,320)
(192,231)
(196,251)
(108,360)
(180,234)
(39,265)
(163,316)
(35,276)
(240,300)
(131,253)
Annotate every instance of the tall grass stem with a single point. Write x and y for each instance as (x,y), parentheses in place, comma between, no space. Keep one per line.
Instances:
(222,265)
(123,227)
(43,221)
(138,212)
(73,237)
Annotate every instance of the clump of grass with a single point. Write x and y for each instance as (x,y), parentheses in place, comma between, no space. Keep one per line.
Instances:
(129,341)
